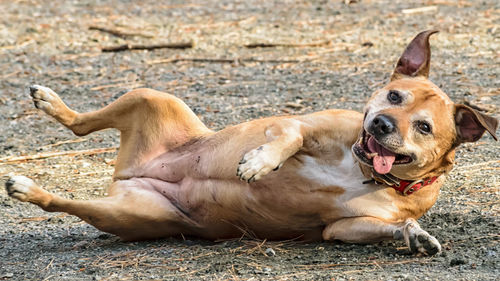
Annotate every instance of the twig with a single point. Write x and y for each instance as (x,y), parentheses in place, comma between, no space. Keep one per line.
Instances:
(362,263)
(48,277)
(49,265)
(126,47)
(469,104)
(272,45)
(34,219)
(118,32)
(9,74)
(188,273)
(20,45)
(64,142)
(127,85)
(482,203)
(477,164)
(473,238)
(425,9)
(222,60)
(10,159)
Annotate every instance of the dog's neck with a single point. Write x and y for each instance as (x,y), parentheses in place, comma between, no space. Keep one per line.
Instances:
(403,186)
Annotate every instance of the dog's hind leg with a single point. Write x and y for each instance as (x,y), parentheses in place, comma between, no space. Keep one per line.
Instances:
(150,123)
(133,211)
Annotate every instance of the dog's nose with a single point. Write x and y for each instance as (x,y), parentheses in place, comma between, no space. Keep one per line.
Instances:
(382,125)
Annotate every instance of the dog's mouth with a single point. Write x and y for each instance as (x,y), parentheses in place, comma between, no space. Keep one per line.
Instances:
(372,153)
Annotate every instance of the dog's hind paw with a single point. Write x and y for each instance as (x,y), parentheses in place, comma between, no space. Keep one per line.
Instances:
(419,241)
(257,163)
(47,100)
(25,190)
(19,187)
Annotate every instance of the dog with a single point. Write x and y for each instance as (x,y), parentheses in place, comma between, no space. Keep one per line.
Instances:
(330,175)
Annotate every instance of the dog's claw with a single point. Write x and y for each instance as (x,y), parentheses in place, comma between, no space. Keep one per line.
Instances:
(252,179)
(278,167)
(33,90)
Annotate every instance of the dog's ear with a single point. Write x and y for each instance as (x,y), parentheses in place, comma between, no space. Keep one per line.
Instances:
(471,124)
(416,59)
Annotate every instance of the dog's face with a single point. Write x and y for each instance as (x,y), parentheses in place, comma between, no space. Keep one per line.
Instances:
(411,127)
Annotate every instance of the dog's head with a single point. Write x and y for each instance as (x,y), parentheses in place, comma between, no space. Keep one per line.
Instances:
(411,128)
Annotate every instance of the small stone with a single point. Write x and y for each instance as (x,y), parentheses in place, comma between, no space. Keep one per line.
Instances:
(294,105)
(457,261)
(270,252)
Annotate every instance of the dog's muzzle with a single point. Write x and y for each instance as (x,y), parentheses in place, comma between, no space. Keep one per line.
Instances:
(370,151)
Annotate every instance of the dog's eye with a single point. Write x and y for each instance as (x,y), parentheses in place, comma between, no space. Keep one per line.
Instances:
(424,127)
(394,97)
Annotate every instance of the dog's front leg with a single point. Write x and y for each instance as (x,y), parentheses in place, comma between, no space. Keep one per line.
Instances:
(284,140)
(370,229)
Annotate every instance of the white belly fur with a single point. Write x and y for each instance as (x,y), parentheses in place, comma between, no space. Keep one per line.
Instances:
(358,199)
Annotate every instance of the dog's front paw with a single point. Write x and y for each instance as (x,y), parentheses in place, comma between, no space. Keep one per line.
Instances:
(25,190)
(418,240)
(258,163)
(46,100)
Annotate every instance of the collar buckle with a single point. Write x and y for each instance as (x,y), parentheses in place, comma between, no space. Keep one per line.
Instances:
(412,187)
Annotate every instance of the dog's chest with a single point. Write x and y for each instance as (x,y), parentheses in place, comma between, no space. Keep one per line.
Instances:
(344,172)
(355,198)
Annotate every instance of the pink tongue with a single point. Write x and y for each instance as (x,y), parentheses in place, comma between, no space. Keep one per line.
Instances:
(382,163)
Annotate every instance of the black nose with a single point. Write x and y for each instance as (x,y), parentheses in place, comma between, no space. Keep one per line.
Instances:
(382,125)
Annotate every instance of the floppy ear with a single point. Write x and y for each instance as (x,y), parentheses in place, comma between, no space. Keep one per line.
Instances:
(471,124)
(416,59)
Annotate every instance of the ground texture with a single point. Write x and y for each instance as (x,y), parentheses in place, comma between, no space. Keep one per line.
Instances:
(326,54)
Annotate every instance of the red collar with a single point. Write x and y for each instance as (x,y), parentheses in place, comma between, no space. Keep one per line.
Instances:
(404,187)
(408,187)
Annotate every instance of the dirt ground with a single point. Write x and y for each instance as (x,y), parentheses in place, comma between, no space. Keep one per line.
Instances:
(327,54)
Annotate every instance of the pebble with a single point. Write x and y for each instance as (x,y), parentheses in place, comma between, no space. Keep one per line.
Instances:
(270,252)
(7,275)
(457,261)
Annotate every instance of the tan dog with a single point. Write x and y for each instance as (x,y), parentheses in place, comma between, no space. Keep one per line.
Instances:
(337,175)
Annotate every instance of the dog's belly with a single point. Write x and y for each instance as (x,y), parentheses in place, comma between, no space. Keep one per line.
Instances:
(216,209)
(307,193)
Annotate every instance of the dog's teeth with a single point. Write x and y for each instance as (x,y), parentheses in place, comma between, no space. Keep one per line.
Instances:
(371,155)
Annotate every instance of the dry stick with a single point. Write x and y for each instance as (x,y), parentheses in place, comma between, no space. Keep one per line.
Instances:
(361,263)
(425,9)
(119,33)
(272,45)
(49,265)
(477,164)
(9,74)
(188,273)
(128,85)
(126,47)
(64,142)
(469,104)
(8,47)
(220,60)
(11,159)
